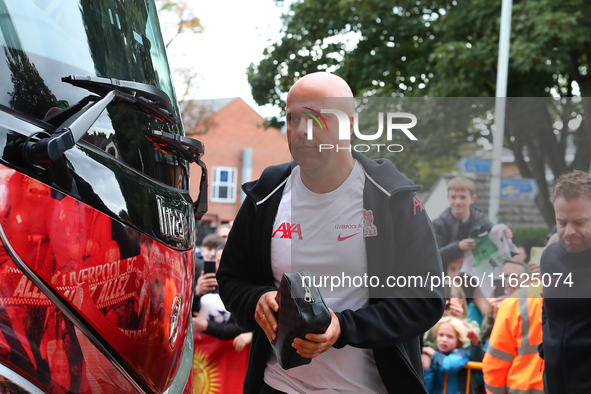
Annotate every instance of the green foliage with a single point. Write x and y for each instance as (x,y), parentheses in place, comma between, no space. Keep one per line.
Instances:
(273,122)
(528,237)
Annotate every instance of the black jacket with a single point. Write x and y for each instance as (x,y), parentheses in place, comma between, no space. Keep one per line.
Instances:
(405,245)
(566,320)
(447,229)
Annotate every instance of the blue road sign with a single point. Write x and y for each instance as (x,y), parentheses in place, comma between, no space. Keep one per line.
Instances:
(525,189)
(474,165)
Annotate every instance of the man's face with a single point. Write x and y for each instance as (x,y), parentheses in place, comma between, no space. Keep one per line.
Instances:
(573,223)
(460,201)
(307,152)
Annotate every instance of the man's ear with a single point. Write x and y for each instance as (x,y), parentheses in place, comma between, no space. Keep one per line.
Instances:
(351,124)
(473,199)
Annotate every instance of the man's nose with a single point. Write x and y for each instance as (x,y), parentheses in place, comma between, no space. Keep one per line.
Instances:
(302,128)
(569,229)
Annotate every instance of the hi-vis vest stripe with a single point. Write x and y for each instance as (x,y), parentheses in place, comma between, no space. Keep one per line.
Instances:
(501,364)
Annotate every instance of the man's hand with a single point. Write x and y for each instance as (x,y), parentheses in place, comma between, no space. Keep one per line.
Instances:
(467,244)
(264,314)
(199,322)
(241,341)
(316,344)
(205,283)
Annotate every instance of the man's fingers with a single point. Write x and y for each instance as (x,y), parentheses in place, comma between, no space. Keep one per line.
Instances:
(305,344)
(268,324)
(309,349)
(317,338)
(265,314)
(269,317)
(272,303)
(316,344)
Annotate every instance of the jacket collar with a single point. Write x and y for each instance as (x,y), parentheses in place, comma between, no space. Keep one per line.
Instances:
(381,172)
(272,180)
(384,175)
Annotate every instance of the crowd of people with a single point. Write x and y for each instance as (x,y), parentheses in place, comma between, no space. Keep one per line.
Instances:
(529,336)
(209,314)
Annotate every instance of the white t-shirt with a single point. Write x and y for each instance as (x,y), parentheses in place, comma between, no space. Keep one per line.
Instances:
(325,234)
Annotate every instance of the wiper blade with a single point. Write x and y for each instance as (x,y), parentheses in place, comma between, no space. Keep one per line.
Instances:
(147,98)
(78,119)
(172,144)
(191,150)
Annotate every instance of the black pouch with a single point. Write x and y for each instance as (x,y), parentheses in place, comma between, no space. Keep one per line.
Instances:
(301,311)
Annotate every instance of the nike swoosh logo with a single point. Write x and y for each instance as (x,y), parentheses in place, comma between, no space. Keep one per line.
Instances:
(340,239)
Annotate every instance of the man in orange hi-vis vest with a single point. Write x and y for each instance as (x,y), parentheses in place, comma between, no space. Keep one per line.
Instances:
(511,363)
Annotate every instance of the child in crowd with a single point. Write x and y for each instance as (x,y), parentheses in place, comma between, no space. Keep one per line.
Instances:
(477,304)
(457,307)
(450,357)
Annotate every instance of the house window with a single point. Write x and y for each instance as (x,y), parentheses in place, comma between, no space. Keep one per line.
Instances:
(224,184)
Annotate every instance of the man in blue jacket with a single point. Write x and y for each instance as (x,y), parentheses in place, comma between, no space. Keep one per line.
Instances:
(338,214)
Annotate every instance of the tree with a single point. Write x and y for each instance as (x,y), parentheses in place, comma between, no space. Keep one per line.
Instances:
(178,18)
(449,49)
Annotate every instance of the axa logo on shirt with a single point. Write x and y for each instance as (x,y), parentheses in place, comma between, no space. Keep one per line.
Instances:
(287,230)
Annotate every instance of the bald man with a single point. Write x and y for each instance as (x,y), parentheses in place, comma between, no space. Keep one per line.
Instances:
(336,213)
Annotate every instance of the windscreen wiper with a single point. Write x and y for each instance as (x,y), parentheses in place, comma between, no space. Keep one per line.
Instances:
(78,119)
(191,150)
(147,98)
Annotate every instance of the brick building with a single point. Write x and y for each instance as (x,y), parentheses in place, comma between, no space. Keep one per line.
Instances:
(237,149)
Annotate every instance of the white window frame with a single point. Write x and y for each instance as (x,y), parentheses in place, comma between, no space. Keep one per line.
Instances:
(230,184)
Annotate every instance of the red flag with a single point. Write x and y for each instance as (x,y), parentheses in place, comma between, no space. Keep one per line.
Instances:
(217,367)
